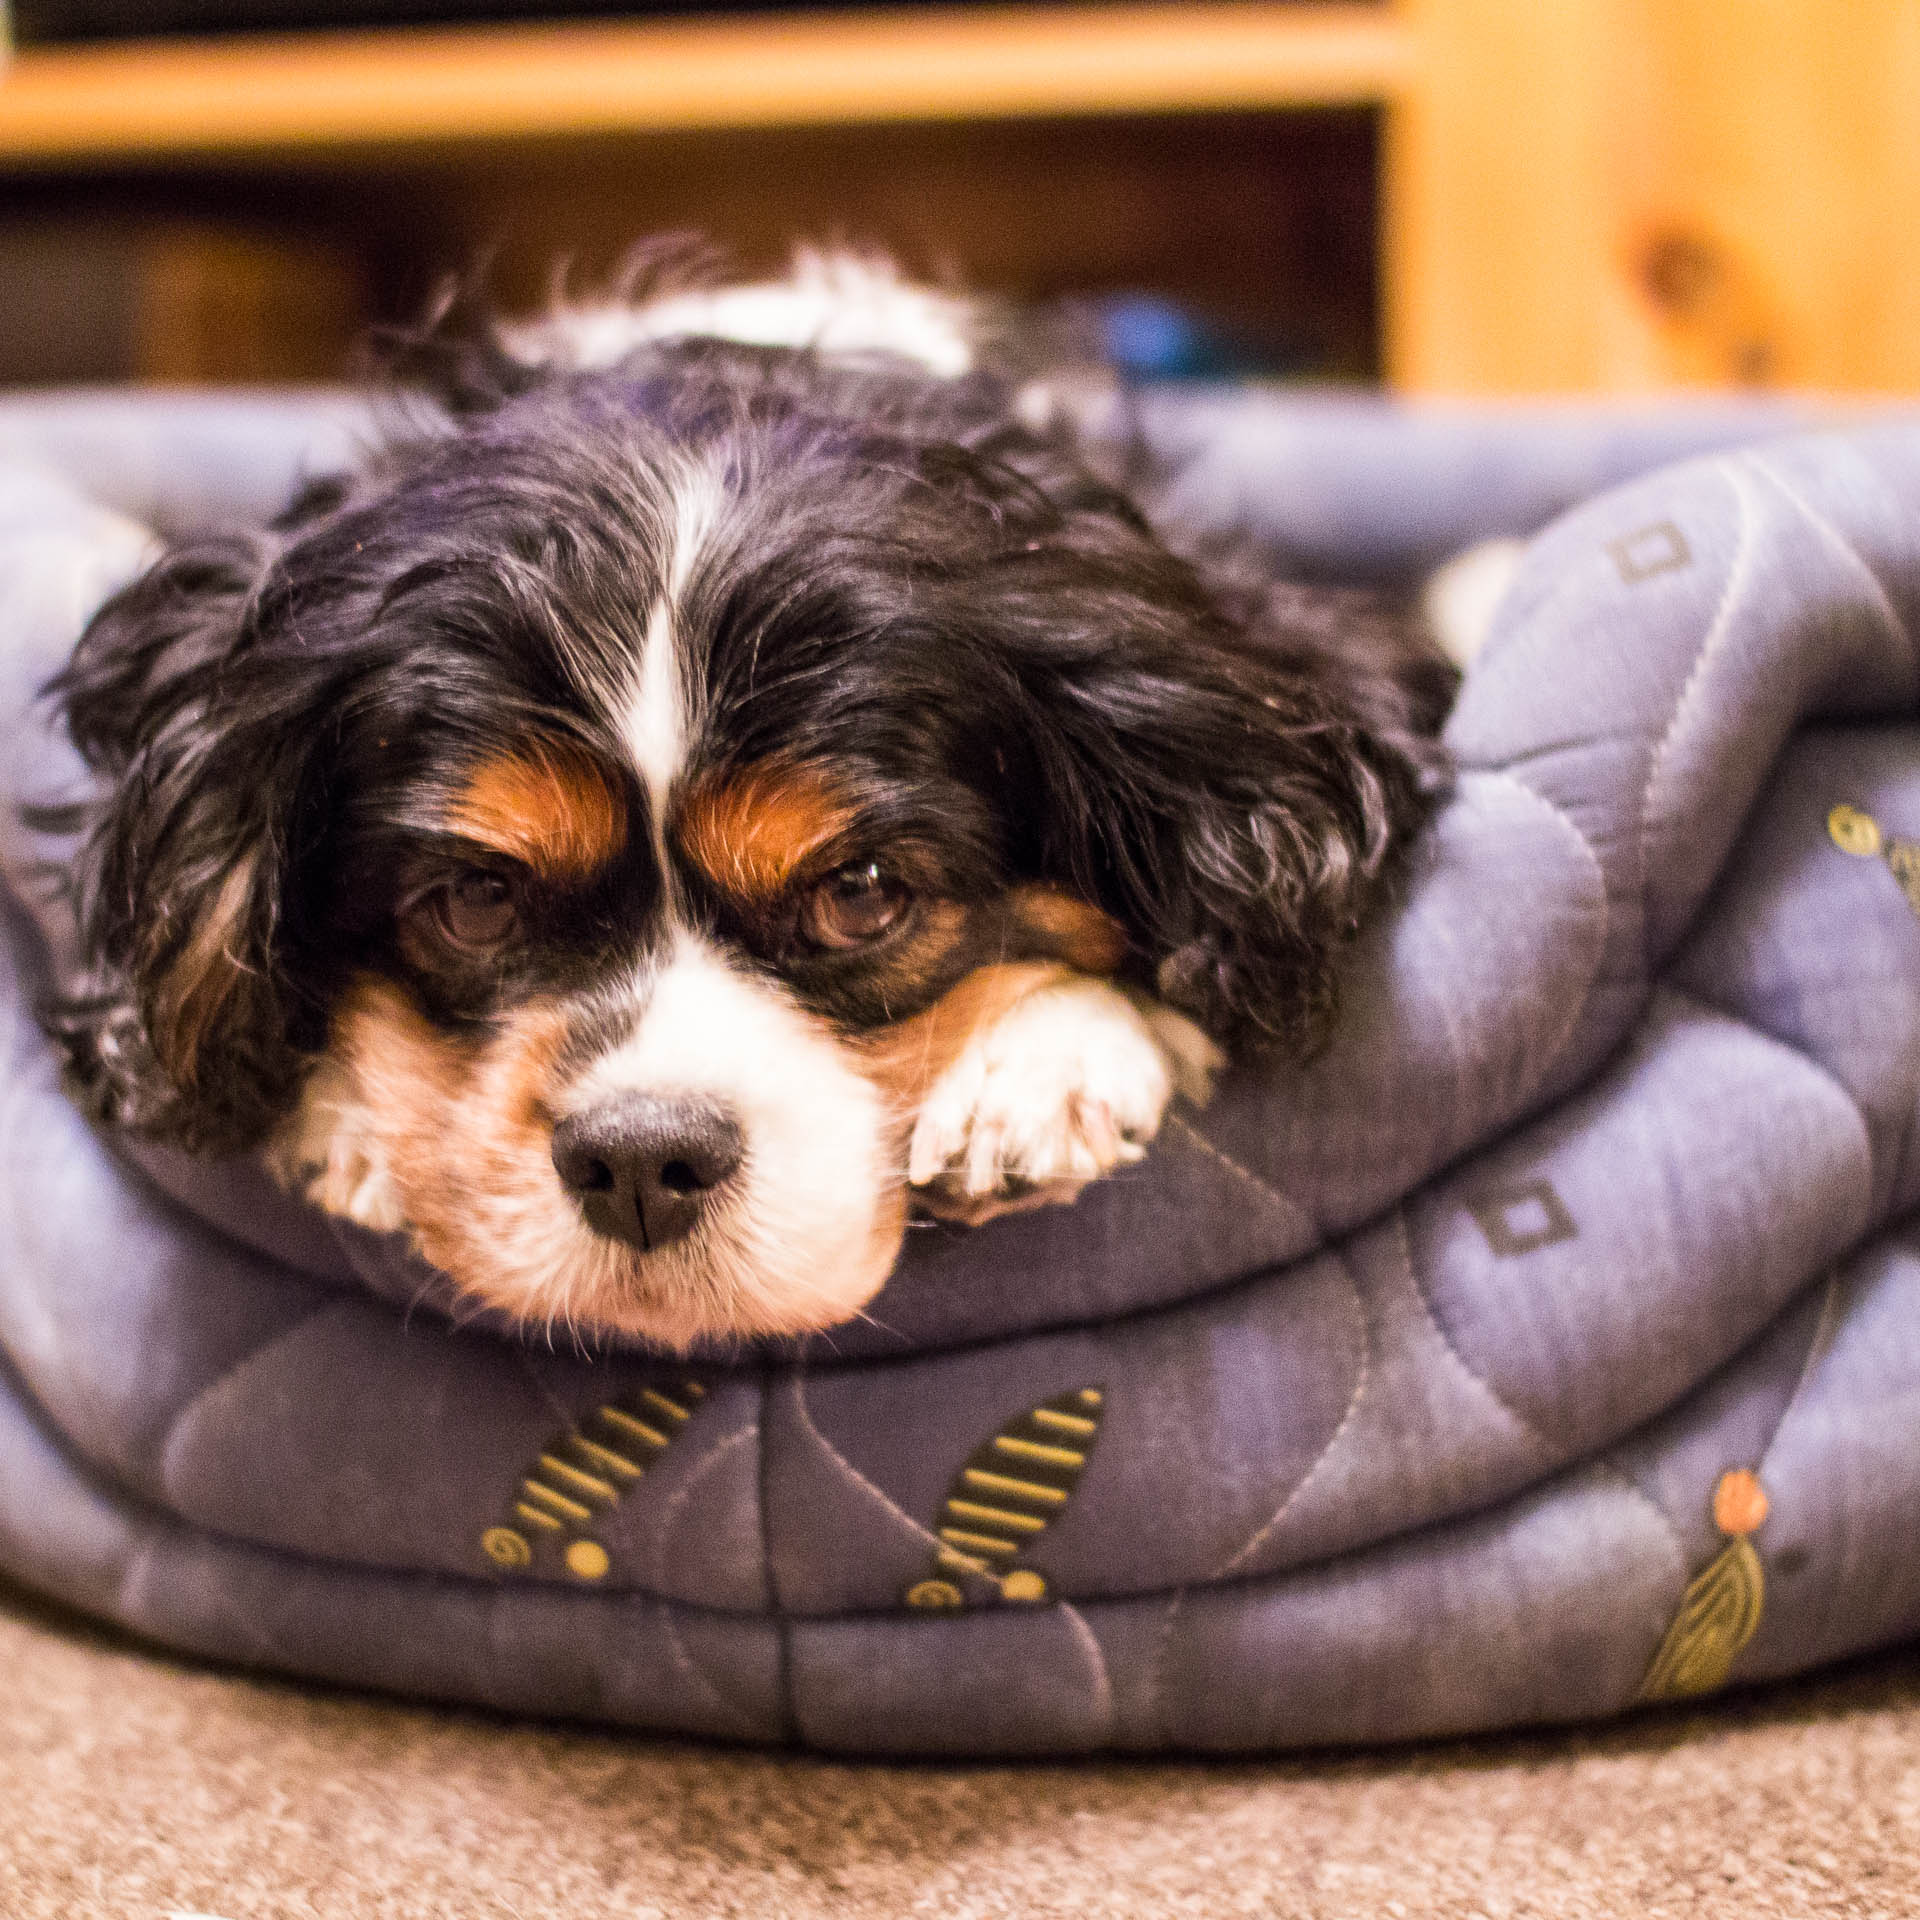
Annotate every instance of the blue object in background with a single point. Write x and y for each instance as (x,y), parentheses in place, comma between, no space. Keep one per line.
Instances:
(1150,337)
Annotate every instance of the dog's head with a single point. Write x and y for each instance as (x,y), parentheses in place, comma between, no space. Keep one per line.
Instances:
(580,836)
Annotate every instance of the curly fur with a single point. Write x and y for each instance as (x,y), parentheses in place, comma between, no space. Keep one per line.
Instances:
(907,580)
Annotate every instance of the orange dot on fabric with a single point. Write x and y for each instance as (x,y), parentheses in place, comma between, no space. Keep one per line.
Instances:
(1739,1503)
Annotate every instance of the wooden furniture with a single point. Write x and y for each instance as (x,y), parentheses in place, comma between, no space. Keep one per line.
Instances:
(1462,195)
(1630,194)
(474,83)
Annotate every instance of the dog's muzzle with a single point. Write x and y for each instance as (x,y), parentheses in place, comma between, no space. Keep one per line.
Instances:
(644,1166)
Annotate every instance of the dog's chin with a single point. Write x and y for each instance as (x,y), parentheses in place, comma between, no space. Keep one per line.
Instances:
(722,1285)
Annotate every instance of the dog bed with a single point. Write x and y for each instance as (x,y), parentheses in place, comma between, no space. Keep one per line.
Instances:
(1549,1344)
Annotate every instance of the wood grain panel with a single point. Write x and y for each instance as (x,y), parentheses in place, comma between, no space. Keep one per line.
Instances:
(1264,222)
(1636,194)
(464,84)
(1497,165)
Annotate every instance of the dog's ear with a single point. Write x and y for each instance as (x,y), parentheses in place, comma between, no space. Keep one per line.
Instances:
(1235,790)
(180,1028)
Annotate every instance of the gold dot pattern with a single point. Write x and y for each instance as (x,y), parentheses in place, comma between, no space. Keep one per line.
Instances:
(1013,1486)
(1857,832)
(581,1477)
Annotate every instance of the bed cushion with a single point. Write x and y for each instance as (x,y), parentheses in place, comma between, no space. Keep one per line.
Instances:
(1549,1344)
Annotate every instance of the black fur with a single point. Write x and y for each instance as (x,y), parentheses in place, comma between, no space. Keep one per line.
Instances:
(1019,675)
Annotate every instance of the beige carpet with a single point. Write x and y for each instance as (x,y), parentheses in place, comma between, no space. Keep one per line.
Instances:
(134,1787)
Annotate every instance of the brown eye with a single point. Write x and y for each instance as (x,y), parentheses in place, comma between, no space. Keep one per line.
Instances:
(476,912)
(853,906)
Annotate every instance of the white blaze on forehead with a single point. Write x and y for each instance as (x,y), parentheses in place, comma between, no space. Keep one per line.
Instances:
(657,711)
(654,725)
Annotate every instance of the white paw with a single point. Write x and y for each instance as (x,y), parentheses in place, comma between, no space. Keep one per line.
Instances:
(328,1150)
(1069,1083)
(1461,598)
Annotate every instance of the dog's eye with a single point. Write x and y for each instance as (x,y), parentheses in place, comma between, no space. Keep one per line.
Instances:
(476,912)
(853,906)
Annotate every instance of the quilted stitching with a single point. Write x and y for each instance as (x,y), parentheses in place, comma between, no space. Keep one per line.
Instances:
(1189,1359)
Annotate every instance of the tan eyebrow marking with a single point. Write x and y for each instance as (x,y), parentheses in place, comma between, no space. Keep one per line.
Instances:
(752,831)
(1070,929)
(549,806)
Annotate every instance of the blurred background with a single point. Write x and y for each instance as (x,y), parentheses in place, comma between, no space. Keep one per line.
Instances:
(1451,196)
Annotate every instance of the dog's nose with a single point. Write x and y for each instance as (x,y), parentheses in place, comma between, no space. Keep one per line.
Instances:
(644,1166)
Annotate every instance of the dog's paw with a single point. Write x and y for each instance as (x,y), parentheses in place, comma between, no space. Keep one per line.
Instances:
(1461,597)
(1069,1083)
(328,1151)
(355,1186)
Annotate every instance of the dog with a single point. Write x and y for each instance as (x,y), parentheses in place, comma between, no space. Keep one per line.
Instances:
(740,772)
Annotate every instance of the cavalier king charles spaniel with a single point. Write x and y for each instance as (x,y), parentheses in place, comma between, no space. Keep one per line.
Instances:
(740,771)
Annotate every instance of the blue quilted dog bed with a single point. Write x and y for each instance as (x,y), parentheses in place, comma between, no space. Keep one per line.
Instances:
(1550,1344)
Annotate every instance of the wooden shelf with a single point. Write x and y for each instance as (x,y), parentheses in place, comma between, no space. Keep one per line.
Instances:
(151,100)
(1529,195)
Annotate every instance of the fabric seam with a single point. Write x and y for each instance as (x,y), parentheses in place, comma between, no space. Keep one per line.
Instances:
(1717,629)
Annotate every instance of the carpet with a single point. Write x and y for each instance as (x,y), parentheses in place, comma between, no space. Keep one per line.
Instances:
(134,1786)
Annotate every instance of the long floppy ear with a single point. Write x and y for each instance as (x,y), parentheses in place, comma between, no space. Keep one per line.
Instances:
(180,1027)
(1235,792)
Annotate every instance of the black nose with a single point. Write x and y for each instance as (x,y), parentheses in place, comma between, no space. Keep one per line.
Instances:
(643,1166)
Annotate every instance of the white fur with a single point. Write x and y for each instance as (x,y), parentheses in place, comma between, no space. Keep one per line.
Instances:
(1071,1082)
(1461,598)
(801,1237)
(806,1232)
(330,1149)
(655,715)
(841,303)
(653,720)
